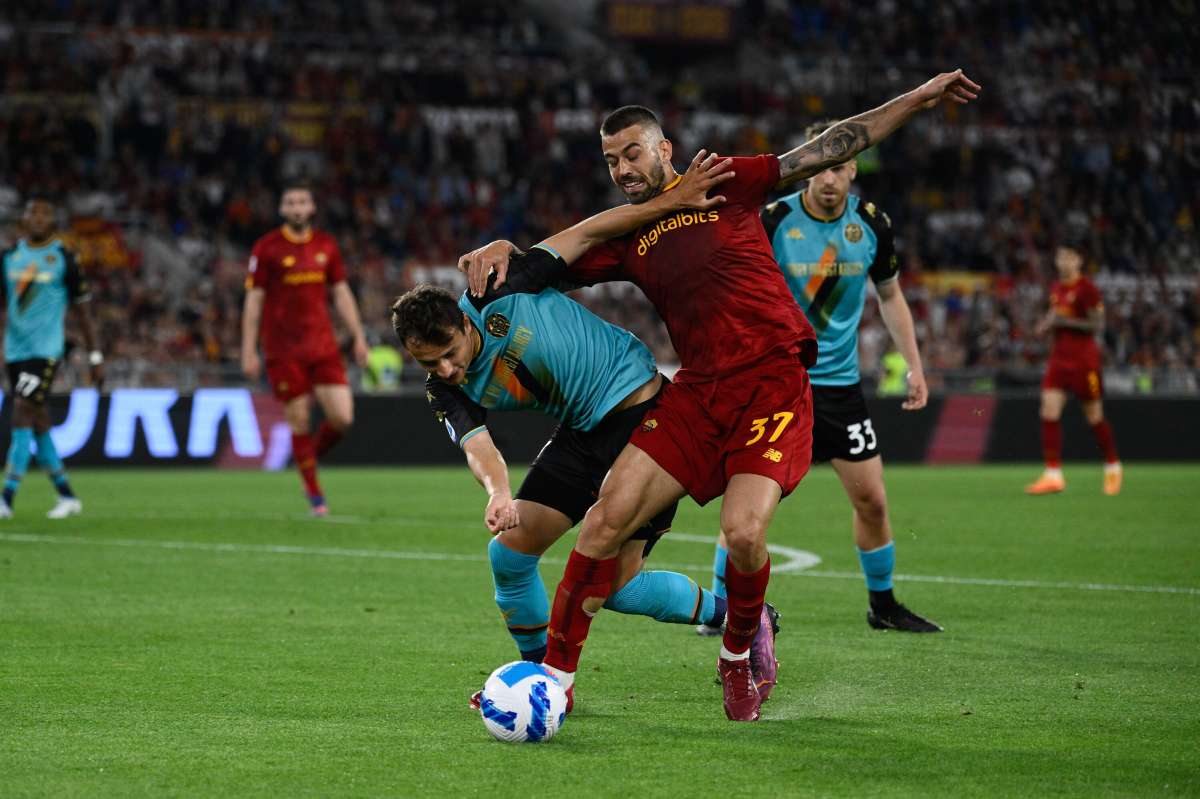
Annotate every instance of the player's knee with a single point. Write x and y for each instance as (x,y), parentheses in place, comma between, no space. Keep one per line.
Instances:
(508,565)
(603,525)
(871,507)
(745,534)
(341,420)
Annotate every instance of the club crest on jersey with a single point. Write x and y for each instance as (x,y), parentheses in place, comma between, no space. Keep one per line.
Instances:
(289,260)
(853,232)
(795,234)
(497,325)
(649,425)
(321,258)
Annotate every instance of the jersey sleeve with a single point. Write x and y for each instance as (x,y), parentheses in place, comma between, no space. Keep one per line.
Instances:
(528,273)
(1089,297)
(78,287)
(337,267)
(600,264)
(462,416)
(756,177)
(885,266)
(257,267)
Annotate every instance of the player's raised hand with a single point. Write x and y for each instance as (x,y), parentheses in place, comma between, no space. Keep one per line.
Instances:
(918,391)
(706,172)
(251,364)
(501,513)
(479,264)
(953,86)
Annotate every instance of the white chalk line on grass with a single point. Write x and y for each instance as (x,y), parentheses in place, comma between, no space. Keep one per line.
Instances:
(341,552)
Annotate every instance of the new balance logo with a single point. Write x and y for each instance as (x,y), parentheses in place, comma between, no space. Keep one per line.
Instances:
(773,455)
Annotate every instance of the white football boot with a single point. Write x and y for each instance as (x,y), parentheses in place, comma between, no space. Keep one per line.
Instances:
(66,506)
(5,510)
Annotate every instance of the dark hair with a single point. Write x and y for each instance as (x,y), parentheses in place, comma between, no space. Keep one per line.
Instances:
(297,184)
(628,115)
(427,314)
(817,128)
(40,197)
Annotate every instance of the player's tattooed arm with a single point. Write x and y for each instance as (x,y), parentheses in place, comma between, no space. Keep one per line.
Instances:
(850,137)
(706,172)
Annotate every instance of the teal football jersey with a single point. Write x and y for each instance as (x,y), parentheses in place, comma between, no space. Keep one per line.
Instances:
(540,349)
(38,285)
(826,263)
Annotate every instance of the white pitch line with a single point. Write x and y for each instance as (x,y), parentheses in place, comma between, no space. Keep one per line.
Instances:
(281,549)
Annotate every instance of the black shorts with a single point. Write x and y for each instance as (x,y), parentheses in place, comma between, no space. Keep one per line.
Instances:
(567,473)
(30,379)
(842,425)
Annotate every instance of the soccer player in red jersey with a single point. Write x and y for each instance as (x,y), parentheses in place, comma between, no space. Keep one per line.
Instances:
(1076,316)
(737,420)
(290,272)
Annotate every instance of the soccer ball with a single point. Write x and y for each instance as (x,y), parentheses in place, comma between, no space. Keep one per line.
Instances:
(522,702)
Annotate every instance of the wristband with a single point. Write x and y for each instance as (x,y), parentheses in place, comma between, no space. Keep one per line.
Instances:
(95,357)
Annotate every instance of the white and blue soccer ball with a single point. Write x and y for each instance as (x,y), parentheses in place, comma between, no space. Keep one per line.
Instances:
(522,702)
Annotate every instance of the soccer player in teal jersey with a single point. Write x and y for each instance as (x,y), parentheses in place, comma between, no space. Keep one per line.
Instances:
(41,280)
(828,242)
(529,346)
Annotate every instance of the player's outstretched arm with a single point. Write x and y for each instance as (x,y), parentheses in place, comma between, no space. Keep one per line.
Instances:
(897,318)
(347,308)
(850,137)
(489,468)
(706,172)
(251,316)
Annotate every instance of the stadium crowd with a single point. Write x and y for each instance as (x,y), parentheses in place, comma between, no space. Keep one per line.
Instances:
(428,128)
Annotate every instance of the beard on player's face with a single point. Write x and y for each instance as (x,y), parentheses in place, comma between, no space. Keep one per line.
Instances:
(639,187)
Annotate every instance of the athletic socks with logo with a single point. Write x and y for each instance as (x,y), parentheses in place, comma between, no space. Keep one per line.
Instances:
(18,462)
(669,597)
(304,455)
(745,593)
(584,578)
(521,598)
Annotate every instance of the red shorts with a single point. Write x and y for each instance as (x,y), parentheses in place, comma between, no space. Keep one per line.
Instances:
(293,378)
(1084,382)
(756,422)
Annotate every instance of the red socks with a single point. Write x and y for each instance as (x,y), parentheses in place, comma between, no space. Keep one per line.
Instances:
(1104,437)
(306,463)
(1052,443)
(327,436)
(745,594)
(583,578)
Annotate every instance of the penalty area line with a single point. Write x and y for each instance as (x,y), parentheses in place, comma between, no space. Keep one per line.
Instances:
(792,567)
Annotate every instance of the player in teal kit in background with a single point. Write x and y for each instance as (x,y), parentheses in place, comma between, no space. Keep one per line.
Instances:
(528,346)
(828,242)
(40,280)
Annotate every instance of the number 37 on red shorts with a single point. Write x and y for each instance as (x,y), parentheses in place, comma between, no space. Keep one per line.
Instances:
(755,422)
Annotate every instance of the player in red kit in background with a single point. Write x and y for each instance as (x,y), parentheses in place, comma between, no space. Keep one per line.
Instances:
(737,419)
(1076,316)
(291,270)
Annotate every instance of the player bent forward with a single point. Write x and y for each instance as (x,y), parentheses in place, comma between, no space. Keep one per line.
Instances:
(737,420)
(528,346)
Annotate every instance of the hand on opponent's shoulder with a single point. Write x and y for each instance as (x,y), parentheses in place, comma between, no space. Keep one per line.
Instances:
(706,172)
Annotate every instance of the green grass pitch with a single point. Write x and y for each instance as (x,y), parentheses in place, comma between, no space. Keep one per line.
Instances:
(194,634)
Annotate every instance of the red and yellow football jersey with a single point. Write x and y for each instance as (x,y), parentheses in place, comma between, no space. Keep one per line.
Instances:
(296,274)
(712,277)
(1075,300)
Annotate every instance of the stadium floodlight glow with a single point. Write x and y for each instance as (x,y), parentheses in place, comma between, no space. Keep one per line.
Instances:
(151,406)
(209,407)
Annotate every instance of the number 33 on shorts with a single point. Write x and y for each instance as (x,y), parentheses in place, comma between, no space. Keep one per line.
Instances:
(759,427)
(861,436)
